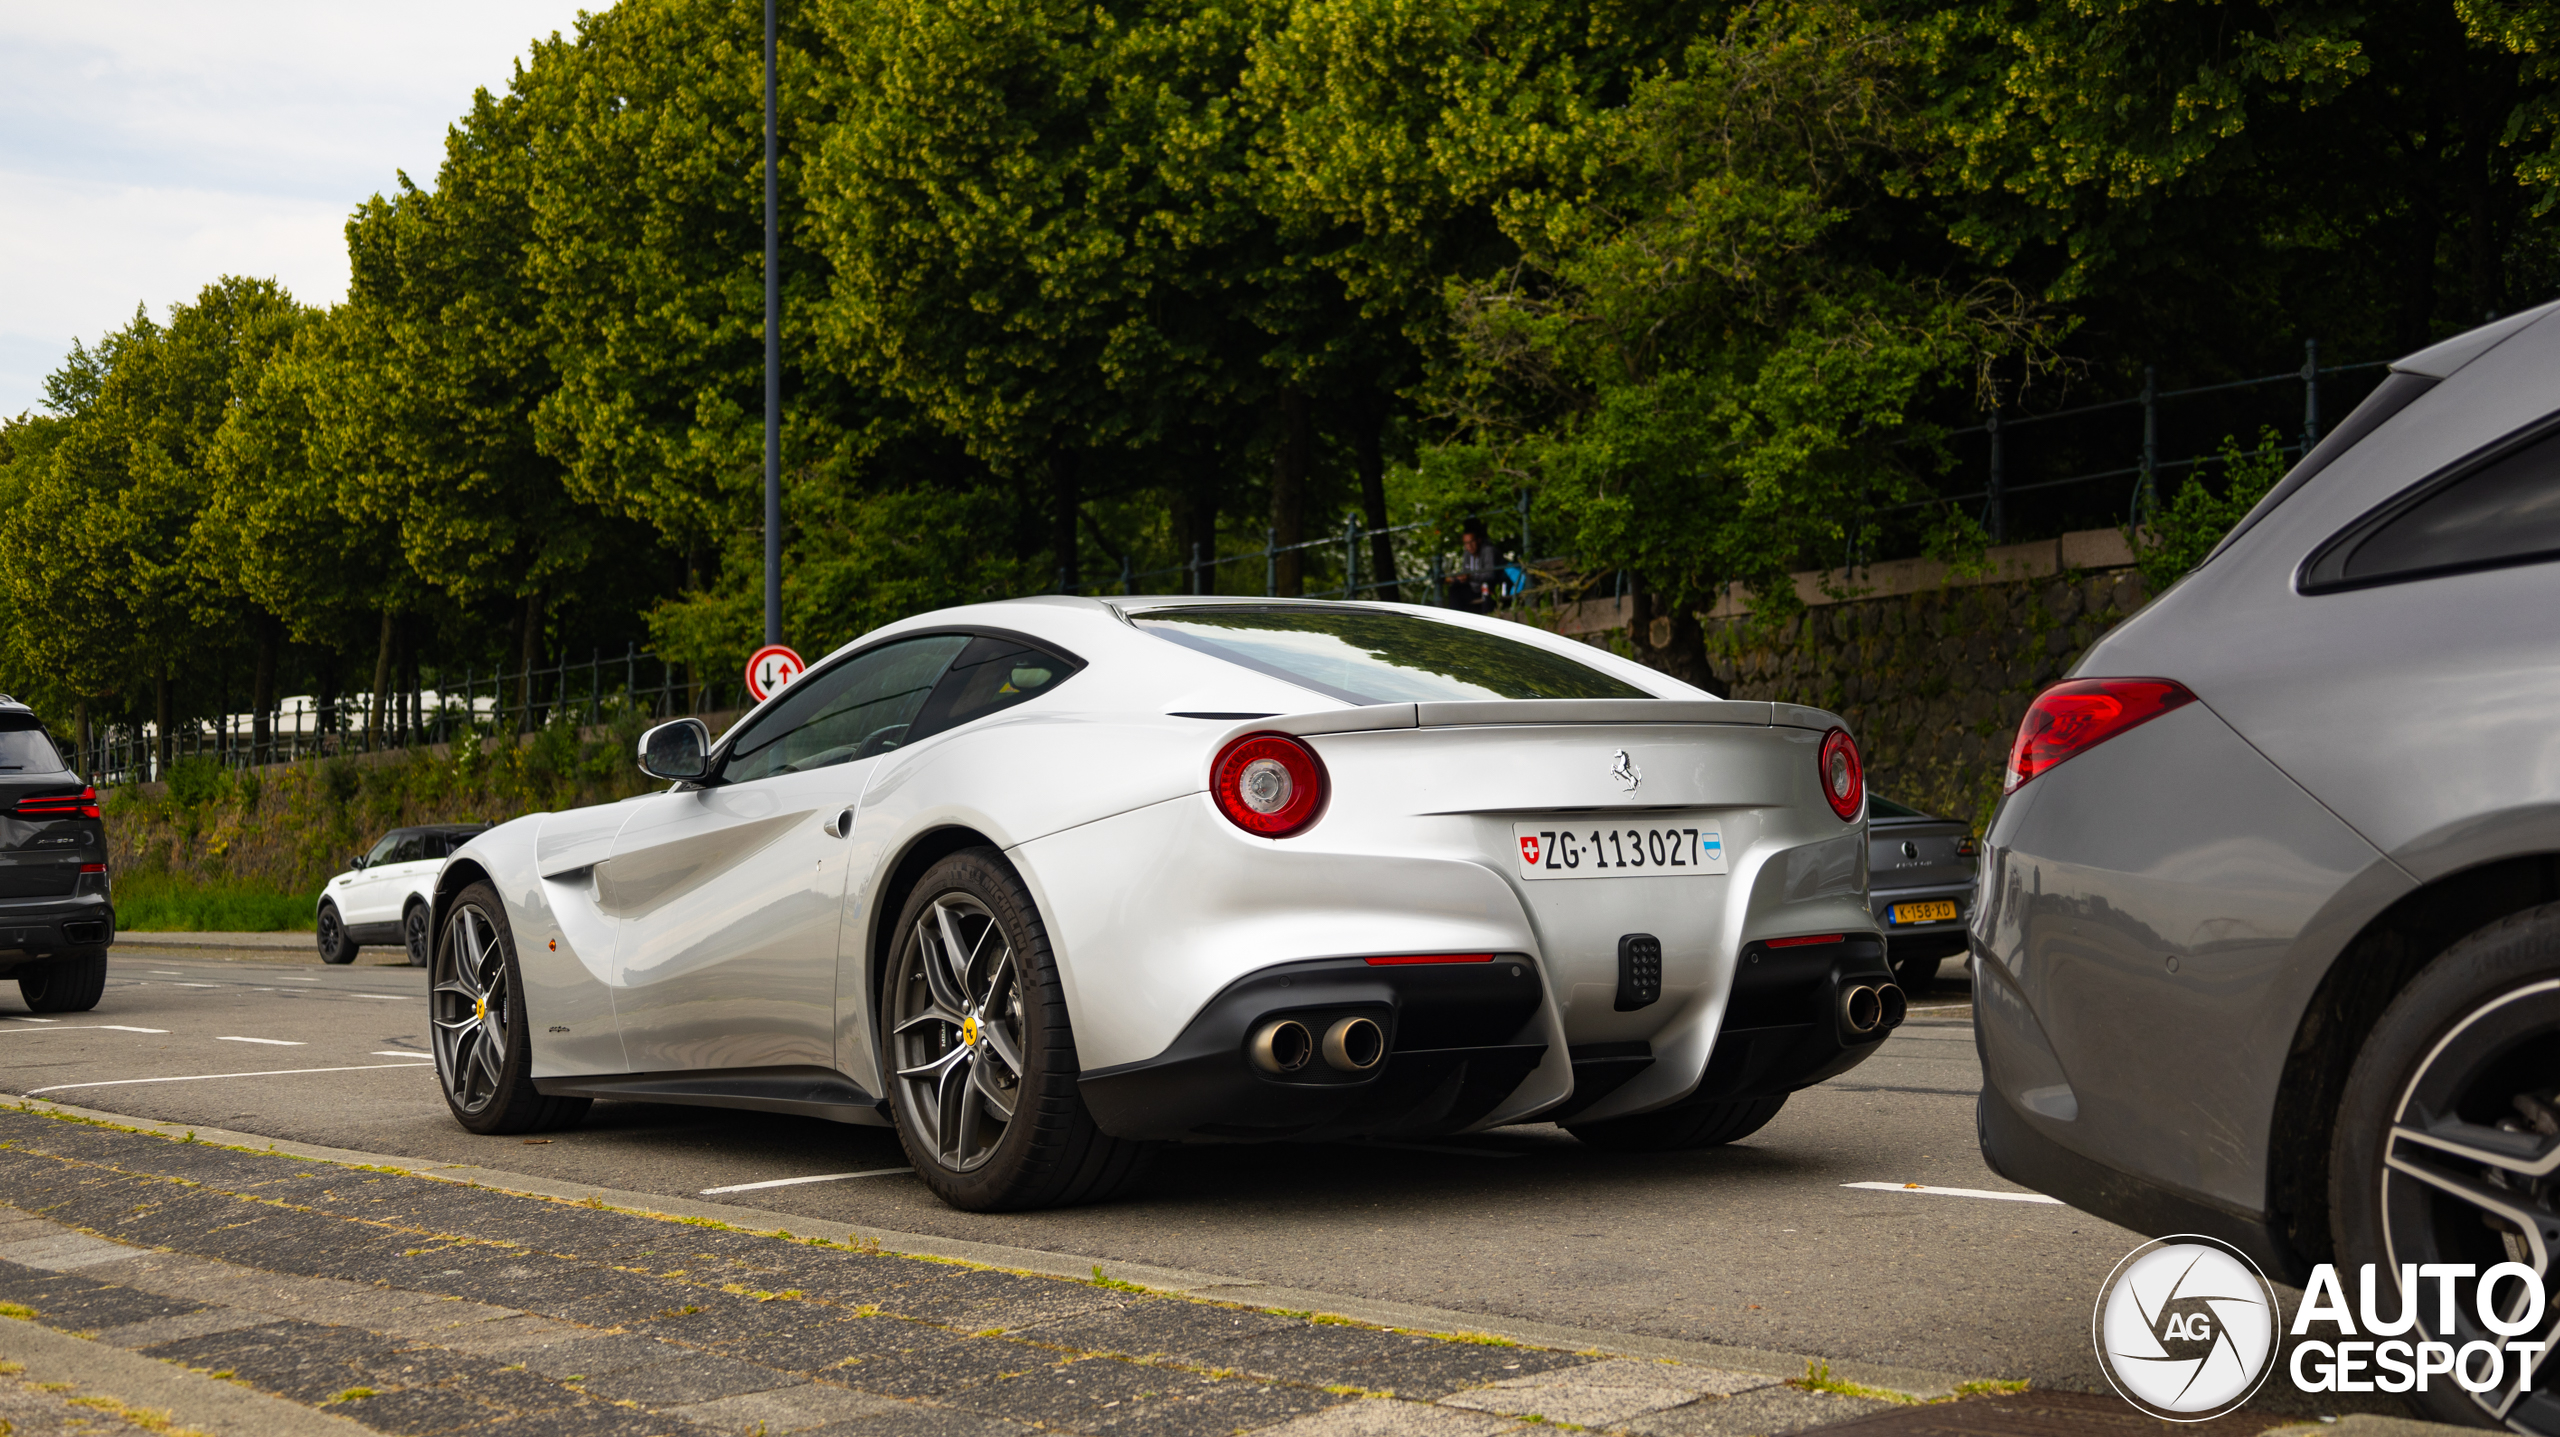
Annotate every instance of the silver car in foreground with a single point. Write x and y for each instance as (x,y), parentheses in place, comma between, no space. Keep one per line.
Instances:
(1045,882)
(2268,935)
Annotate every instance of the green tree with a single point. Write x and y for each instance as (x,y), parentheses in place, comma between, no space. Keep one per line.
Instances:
(1704,364)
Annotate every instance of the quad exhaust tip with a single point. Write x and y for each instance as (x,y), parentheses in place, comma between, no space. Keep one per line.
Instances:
(1354,1045)
(1872,1007)
(1281,1046)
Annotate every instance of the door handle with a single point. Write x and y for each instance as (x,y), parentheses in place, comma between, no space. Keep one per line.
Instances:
(840,825)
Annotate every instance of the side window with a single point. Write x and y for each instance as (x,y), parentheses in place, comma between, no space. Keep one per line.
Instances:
(383,850)
(851,710)
(411,849)
(2503,511)
(991,675)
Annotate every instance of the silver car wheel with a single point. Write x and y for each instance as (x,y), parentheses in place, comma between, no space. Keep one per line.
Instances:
(957,1038)
(2471,1170)
(471,1008)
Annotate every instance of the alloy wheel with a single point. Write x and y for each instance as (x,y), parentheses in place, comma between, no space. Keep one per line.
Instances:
(472,1008)
(957,1041)
(2471,1174)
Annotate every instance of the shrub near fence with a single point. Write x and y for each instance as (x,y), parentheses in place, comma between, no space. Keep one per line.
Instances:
(214,846)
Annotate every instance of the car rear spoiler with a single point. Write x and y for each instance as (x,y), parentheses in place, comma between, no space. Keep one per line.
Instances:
(1485,712)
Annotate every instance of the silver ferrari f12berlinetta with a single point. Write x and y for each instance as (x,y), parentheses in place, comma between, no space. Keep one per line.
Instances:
(1046,883)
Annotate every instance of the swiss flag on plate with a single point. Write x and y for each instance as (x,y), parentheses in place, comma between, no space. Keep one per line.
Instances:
(1529,848)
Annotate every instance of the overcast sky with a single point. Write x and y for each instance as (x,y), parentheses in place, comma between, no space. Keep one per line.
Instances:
(149,146)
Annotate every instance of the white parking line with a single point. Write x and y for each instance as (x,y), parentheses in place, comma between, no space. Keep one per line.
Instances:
(297,980)
(272,1042)
(1954,1192)
(795,1182)
(195,985)
(87,1028)
(201,1077)
(403,1053)
(394,997)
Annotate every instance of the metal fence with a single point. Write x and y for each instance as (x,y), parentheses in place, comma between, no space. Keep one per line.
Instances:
(446,704)
(2143,494)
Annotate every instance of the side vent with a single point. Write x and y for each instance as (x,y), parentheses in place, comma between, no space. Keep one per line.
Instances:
(1639,971)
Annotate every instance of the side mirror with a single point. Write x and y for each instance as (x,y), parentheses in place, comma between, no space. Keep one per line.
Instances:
(678,752)
(356,862)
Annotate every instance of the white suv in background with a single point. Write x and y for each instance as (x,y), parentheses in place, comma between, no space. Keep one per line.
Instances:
(389,893)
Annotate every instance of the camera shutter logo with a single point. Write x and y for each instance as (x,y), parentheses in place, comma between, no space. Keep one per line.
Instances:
(2186,1328)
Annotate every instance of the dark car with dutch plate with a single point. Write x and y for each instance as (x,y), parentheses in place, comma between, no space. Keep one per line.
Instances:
(1920,871)
(56,913)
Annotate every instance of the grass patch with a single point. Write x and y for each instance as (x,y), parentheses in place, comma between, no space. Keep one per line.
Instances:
(1817,1378)
(167,903)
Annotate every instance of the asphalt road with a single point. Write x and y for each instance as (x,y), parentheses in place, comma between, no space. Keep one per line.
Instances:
(1759,1244)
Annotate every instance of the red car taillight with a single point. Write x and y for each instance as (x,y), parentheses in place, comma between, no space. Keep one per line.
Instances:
(1268,784)
(83,804)
(2077,716)
(1844,778)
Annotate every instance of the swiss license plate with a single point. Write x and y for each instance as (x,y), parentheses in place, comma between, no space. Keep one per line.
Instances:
(1649,850)
(1939,910)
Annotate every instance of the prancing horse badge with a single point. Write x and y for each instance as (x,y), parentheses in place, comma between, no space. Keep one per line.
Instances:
(1623,769)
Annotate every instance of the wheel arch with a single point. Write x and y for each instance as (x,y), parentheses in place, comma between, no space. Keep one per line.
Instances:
(921,853)
(451,879)
(2361,982)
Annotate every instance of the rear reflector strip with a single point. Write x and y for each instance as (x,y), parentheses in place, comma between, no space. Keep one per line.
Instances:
(1399,958)
(1808,941)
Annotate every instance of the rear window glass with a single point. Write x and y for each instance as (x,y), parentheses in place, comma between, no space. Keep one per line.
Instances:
(1879,806)
(24,748)
(1365,656)
(2505,513)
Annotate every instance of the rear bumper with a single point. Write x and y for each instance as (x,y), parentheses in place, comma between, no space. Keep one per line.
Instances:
(38,931)
(2016,1151)
(1460,1038)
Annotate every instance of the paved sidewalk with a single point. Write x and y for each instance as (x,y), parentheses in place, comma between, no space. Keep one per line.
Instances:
(411,1306)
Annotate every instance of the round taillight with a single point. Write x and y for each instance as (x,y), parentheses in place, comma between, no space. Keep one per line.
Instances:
(1268,784)
(1844,779)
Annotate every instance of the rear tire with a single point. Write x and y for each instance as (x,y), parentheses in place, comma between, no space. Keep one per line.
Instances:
(332,934)
(1672,1130)
(418,935)
(980,1059)
(2456,1084)
(71,985)
(482,1034)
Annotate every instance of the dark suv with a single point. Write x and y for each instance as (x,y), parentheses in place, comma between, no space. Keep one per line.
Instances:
(56,911)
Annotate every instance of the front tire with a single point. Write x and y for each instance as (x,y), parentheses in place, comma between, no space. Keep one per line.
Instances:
(981,1060)
(71,985)
(417,934)
(1672,1130)
(332,933)
(484,1050)
(2452,1103)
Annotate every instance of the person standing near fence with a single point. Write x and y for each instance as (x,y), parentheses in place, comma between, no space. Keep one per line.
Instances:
(1480,579)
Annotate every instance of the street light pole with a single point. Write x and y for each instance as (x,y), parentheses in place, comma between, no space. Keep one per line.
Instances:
(772,348)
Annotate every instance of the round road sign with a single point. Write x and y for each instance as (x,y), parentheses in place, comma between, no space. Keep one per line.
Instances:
(771,670)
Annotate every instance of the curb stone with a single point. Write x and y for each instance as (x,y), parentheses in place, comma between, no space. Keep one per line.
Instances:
(192,1399)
